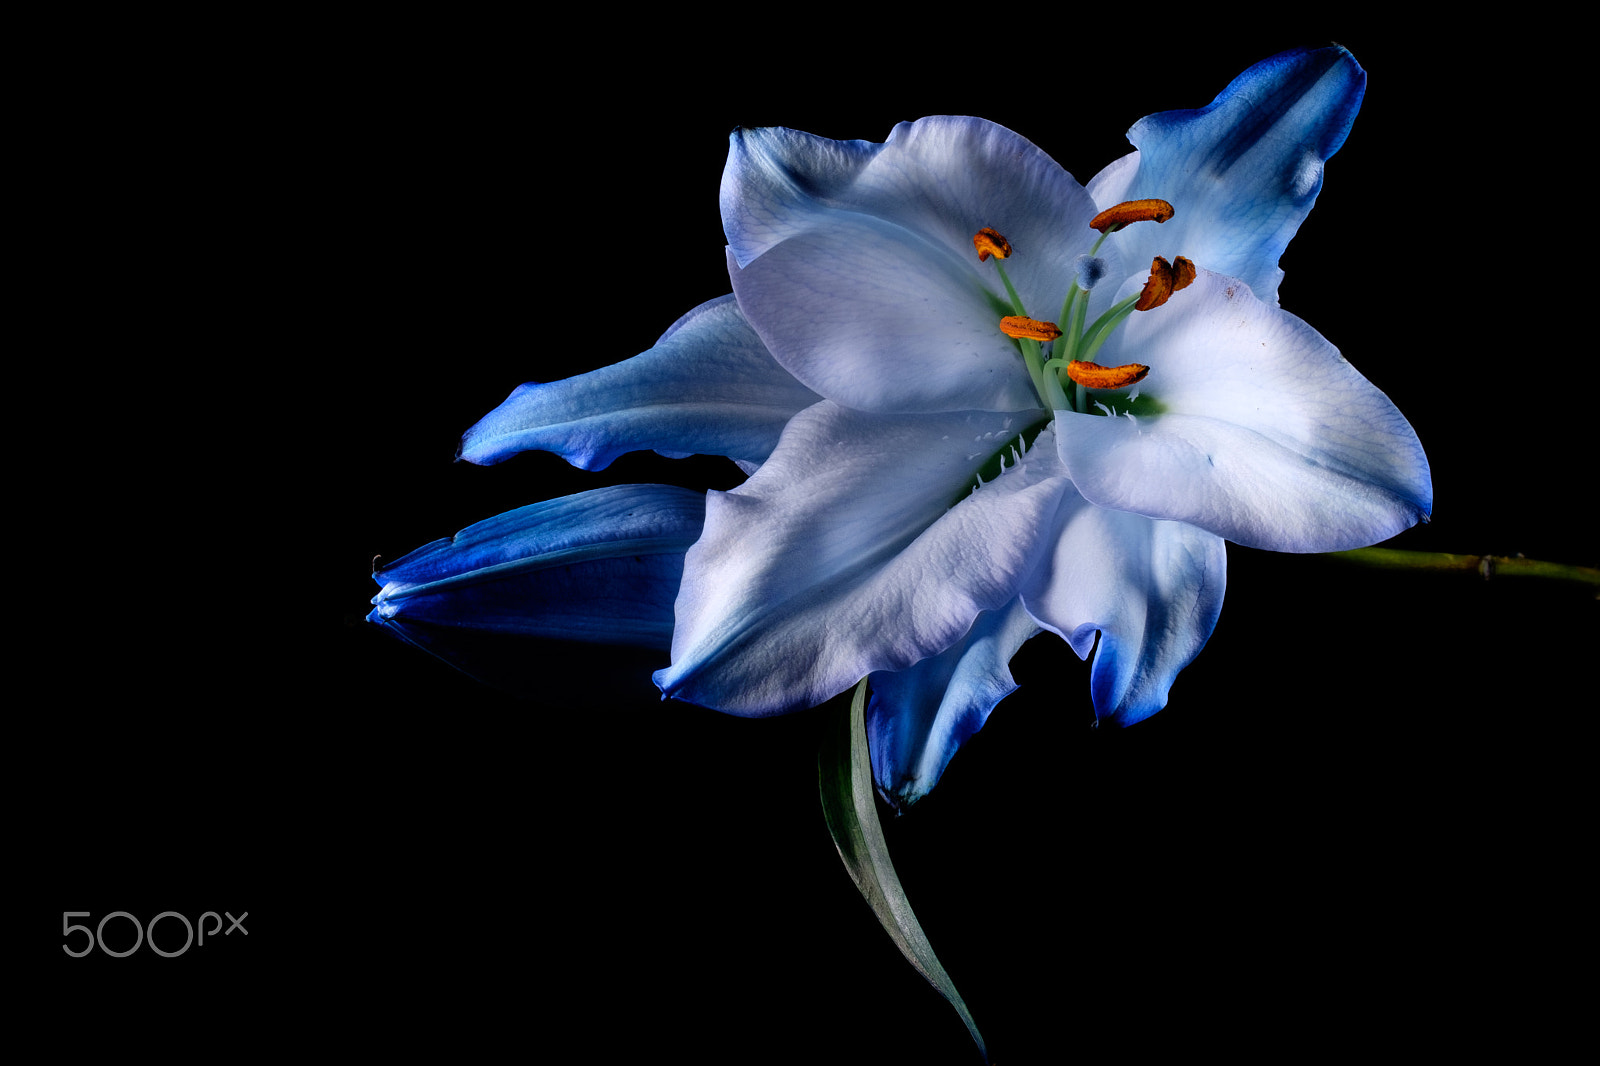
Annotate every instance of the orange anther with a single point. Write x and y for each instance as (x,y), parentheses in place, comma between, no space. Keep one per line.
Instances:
(1161,285)
(1165,279)
(988,243)
(1029,328)
(1095,376)
(1132,211)
(1182,273)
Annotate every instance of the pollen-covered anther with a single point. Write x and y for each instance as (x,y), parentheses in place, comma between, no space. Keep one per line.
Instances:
(1095,376)
(988,243)
(1029,328)
(1165,279)
(1183,272)
(1129,212)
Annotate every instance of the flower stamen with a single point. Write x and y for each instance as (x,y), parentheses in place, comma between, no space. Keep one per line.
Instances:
(1029,328)
(1027,332)
(1095,376)
(1125,214)
(1070,357)
(1165,279)
(988,242)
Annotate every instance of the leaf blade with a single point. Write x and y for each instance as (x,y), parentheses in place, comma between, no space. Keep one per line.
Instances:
(844,772)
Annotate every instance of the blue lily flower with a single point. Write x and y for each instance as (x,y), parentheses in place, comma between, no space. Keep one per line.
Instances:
(936,476)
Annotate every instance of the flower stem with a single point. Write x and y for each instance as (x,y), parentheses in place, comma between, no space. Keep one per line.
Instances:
(1487,566)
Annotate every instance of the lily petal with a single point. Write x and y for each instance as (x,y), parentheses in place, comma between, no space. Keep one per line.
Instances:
(866,249)
(707,387)
(600,566)
(856,547)
(1265,434)
(921,332)
(1243,171)
(1152,590)
(918,717)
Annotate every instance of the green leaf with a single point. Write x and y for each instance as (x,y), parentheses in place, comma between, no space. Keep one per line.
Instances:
(844,771)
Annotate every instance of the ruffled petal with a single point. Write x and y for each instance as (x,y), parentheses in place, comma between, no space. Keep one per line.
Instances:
(941,178)
(600,566)
(1242,172)
(708,387)
(858,546)
(1255,428)
(918,717)
(854,261)
(1151,590)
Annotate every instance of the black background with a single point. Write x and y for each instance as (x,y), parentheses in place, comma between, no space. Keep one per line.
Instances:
(318,252)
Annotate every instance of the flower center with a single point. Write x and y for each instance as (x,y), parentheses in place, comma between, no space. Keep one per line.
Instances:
(1072,344)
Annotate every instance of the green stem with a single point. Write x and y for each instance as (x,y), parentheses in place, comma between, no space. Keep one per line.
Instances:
(1030,349)
(1103,326)
(1486,566)
(1032,357)
(1016,301)
(1054,395)
(1069,339)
